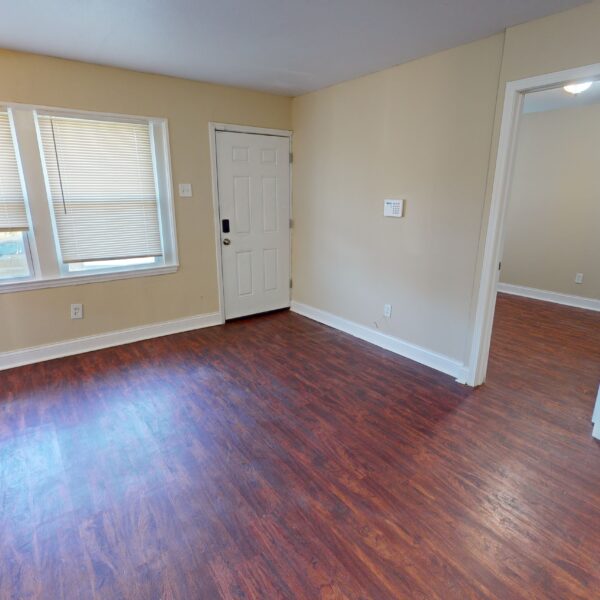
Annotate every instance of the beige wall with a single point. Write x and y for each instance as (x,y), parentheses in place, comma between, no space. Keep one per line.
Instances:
(42,316)
(427,131)
(420,131)
(562,41)
(553,219)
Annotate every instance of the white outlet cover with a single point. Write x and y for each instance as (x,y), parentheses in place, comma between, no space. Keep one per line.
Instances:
(579,278)
(76,311)
(185,190)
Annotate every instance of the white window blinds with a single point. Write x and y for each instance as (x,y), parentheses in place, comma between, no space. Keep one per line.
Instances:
(102,188)
(13,216)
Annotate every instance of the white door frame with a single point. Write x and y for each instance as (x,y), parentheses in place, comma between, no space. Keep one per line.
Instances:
(213,128)
(486,300)
(596,417)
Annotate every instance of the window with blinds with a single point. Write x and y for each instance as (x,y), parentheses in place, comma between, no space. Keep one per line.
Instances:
(83,196)
(101,178)
(13,215)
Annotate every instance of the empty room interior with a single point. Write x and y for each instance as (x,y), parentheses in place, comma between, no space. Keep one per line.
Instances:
(300,300)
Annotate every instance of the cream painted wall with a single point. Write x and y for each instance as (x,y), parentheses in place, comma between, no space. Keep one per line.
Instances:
(419,131)
(42,316)
(428,131)
(562,41)
(553,219)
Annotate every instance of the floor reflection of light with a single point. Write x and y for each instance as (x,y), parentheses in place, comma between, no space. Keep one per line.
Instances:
(100,443)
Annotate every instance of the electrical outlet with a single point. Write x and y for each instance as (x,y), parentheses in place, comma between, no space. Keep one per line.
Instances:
(76,311)
(387,310)
(579,278)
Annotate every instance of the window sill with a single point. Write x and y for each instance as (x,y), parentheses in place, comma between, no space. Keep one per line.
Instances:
(36,284)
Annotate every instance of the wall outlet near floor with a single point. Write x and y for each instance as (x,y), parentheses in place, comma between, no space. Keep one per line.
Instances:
(76,311)
(579,278)
(387,310)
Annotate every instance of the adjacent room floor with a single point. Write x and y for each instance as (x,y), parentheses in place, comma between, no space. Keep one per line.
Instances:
(278,458)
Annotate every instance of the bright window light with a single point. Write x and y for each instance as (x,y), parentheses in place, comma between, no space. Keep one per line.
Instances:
(13,256)
(578,88)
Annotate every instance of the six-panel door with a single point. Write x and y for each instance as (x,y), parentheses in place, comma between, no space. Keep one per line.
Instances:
(254,195)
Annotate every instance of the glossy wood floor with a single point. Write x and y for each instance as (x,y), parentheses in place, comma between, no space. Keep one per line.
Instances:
(277,458)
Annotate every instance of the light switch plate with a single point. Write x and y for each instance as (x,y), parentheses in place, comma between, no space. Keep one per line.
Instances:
(185,190)
(393,208)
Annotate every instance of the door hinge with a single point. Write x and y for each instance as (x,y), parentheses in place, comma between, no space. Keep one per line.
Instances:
(291,283)
(500,266)
(291,157)
(291,223)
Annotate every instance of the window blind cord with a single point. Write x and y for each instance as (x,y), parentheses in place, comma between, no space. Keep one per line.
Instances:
(62,191)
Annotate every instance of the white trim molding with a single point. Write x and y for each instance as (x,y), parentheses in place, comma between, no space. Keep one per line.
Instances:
(596,417)
(36,284)
(436,361)
(493,236)
(26,356)
(547,296)
(214,126)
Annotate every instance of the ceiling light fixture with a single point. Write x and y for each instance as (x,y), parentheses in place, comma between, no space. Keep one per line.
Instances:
(578,88)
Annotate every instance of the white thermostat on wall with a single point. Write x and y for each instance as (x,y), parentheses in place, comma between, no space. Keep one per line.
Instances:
(393,208)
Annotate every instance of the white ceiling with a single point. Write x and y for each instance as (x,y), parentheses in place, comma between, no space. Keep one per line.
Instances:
(558,99)
(284,46)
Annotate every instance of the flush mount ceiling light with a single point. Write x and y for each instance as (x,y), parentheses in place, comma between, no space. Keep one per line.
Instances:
(578,88)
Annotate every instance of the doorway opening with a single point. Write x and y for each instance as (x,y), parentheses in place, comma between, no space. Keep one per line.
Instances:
(540,286)
(515,95)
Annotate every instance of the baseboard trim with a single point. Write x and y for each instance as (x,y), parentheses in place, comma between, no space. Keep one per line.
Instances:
(546,296)
(26,356)
(421,355)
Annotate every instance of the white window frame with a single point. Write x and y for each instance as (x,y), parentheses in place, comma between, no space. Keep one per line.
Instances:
(27,235)
(41,239)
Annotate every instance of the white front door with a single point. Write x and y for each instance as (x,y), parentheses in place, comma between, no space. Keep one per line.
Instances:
(253,176)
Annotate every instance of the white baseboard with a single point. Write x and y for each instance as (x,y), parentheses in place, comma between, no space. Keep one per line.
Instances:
(26,356)
(421,355)
(556,297)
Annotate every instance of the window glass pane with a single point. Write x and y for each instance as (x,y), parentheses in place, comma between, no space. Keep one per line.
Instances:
(102,187)
(13,216)
(13,256)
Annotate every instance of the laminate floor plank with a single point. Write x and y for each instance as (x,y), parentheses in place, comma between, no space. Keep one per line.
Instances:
(274,457)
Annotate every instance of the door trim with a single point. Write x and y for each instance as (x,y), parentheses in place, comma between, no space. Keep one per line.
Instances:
(494,235)
(213,129)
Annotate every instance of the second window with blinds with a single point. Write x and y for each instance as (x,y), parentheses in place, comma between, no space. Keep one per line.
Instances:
(83,196)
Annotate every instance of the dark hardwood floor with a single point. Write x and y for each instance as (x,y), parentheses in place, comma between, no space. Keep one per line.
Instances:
(277,458)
